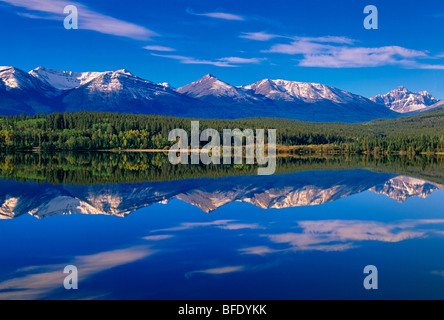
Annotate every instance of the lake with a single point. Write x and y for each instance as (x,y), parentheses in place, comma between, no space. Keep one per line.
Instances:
(137,227)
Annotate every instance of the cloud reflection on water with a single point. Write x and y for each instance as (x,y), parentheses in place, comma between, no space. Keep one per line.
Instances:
(38,282)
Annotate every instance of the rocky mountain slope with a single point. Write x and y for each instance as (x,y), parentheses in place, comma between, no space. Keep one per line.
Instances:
(402,100)
(46,90)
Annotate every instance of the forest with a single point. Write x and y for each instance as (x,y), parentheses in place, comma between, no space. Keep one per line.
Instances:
(86,168)
(77,131)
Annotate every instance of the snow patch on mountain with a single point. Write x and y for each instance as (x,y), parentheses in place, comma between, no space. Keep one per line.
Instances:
(401,188)
(300,91)
(402,100)
(63,205)
(14,78)
(122,81)
(166,85)
(211,87)
(63,80)
(8,207)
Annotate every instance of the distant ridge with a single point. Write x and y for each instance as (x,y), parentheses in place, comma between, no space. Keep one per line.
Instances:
(404,101)
(47,90)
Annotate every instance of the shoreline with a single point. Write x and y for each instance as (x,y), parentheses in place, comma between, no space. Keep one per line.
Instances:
(281,150)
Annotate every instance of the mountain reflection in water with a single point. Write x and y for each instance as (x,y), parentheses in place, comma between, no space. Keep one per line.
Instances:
(305,188)
(304,233)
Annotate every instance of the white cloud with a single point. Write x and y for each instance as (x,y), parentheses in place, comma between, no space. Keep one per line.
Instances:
(238,226)
(88,19)
(158,237)
(265,36)
(222,62)
(326,39)
(338,52)
(218,15)
(242,60)
(190,60)
(345,57)
(259,36)
(416,65)
(159,48)
(301,47)
(222,15)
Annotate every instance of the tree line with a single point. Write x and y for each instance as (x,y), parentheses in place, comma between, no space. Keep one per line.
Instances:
(422,133)
(86,168)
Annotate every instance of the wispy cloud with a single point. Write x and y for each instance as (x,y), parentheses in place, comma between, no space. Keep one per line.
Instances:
(265,36)
(191,60)
(438,273)
(222,62)
(158,237)
(259,36)
(363,57)
(221,224)
(424,66)
(259,250)
(238,226)
(159,48)
(326,39)
(237,60)
(88,18)
(218,15)
(37,16)
(338,52)
(311,45)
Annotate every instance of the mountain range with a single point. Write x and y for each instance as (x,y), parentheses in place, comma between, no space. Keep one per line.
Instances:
(268,192)
(404,101)
(45,90)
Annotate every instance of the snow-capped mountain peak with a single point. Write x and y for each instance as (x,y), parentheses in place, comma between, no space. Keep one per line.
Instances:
(210,86)
(3,68)
(401,188)
(299,91)
(64,80)
(23,93)
(304,188)
(46,90)
(166,85)
(402,100)
(11,78)
(124,71)
(14,78)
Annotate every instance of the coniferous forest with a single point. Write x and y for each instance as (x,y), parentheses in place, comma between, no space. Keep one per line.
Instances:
(423,133)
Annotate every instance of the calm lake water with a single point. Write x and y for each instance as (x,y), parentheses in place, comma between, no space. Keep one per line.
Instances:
(304,233)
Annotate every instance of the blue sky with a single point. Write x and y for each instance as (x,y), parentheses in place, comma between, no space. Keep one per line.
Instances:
(240,42)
